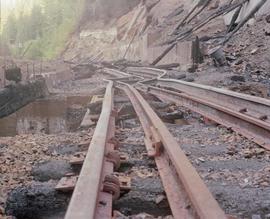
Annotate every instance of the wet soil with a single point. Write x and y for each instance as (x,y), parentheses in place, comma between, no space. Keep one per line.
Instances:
(146,186)
(35,201)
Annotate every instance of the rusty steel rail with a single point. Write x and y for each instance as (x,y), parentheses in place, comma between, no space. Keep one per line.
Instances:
(96,186)
(183,185)
(115,73)
(146,73)
(247,115)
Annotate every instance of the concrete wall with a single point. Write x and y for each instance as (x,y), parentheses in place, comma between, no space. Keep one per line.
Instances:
(181,53)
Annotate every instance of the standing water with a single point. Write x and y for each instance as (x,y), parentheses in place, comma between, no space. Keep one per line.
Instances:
(49,116)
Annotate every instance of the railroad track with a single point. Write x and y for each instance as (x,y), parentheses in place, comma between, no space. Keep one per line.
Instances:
(187,194)
(96,186)
(146,73)
(244,114)
(181,182)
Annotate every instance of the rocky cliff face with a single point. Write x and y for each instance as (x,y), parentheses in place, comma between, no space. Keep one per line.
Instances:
(104,10)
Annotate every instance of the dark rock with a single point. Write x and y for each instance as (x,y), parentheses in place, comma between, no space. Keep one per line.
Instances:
(181,76)
(267,18)
(33,201)
(143,198)
(238,78)
(267,31)
(13,74)
(176,74)
(189,79)
(172,115)
(50,170)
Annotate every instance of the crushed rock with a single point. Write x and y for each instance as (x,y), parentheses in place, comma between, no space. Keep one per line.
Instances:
(19,154)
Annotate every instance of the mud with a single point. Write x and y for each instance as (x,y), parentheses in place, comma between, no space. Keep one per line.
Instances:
(35,201)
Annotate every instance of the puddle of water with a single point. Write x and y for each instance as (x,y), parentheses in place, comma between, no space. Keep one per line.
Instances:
(47,116)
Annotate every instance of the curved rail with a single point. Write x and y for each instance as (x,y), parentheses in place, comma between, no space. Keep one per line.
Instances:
(181,182)
(115,73)
(146,72)
(252,128)
(245,114)
(258,104)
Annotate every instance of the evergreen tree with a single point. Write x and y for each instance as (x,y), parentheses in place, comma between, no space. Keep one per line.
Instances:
(36,22)
(10,28)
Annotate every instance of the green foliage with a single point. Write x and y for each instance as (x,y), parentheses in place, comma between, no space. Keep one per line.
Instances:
(10,29)
(42,32)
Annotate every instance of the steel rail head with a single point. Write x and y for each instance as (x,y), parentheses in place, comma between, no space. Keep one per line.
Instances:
(252,128)
(190,87)
(83,203)
(202,200)
(154,72)
(116,73)
(187,86)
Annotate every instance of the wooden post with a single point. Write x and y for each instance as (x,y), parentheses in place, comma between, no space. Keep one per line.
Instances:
(40,70)
(27,69)
(34,73)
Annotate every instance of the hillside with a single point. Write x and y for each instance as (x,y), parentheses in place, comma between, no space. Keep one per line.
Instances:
(144,32)
(39,29)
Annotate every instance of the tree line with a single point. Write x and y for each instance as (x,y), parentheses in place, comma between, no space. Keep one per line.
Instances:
(43,29)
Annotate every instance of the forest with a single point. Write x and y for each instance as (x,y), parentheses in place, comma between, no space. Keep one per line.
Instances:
(41,28)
